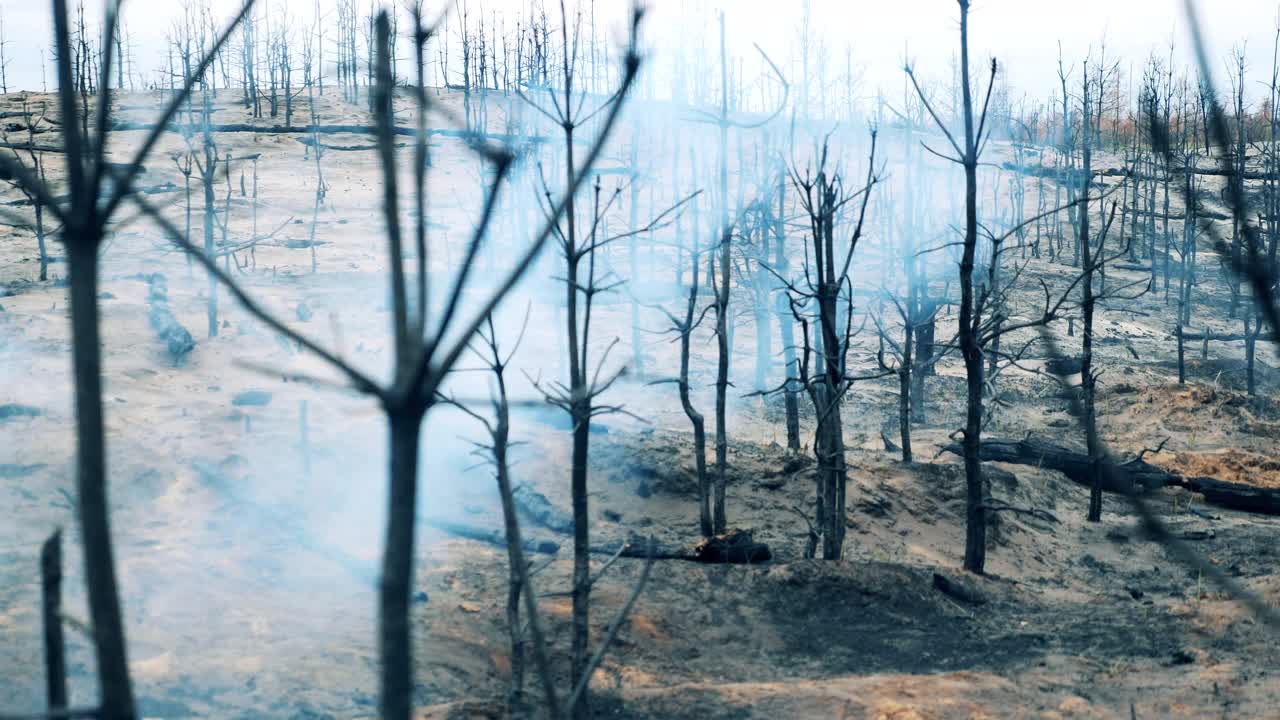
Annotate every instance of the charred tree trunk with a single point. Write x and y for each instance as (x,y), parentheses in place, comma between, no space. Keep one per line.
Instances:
(695,418)
(1087,387)
(55,662)
(91,480)
(790,396)
(394,629)
(722,301)
(975,546)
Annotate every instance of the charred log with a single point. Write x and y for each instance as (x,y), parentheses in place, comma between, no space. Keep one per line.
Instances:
(176,338)
(1138,474)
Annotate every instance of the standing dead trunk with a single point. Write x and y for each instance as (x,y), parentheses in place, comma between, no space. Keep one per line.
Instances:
(790,395)
(1087,379)
(581,551)
(44,253)
(975,546)
(904,393)
(722,300)
(633,257)
(685,327)
(822,196)
(394,630)
(207,176)
(55,662)
(91,479)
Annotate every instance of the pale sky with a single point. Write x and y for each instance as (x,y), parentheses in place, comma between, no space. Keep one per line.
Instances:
(1023,34)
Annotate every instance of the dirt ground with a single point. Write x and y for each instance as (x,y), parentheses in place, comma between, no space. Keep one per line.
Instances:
(247,555)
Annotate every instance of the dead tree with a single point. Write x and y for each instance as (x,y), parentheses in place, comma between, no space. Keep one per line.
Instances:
(4,59)
(85,214)
(578,396)
(758,230)
(322,188)
(970,347)
(1093,262)
(427,345)
(1246,256)
(35,166)
(914,354)
(782,311)
(1087,378)
(518,581)
(207,166)
(249,65)
(824,370)
(721,278)
(683,327)
(985,314)
(579,246)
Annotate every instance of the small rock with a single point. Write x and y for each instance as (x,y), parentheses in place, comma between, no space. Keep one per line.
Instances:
(772,484)
(254,398)
(643,489)
(420,596)
(957,590)
(796,463)
(304,312)
(13,410)
(1096,565)
(1117,536)
(106,296)
(1182,657)
(612,516)
(642,471)
(1063,365)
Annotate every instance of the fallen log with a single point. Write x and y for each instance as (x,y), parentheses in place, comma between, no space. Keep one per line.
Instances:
(367,147)
(1136,472)
(193,129)
(490,536)
(1236,496)
(1076,175)
(162,188)
(1072,463)
(536,508)
(736,547)
(1223,337)
(175,337)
